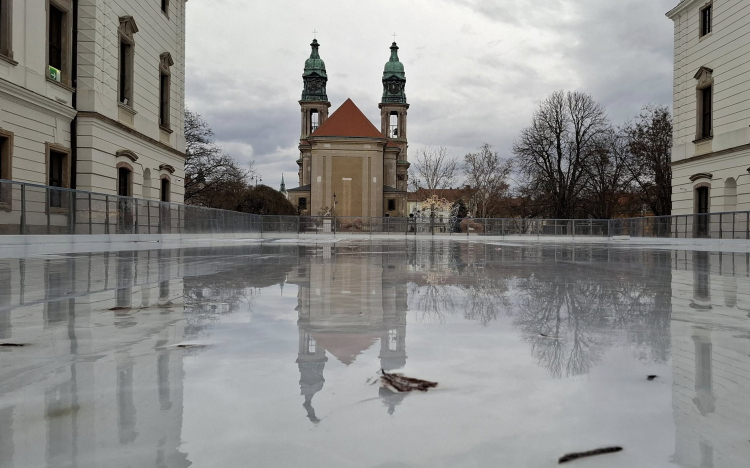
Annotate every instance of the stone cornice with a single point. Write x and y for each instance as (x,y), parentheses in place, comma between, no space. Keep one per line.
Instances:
(320,139)
(16,92)
(125,128)
(710,155)
(701,175)
(167,167)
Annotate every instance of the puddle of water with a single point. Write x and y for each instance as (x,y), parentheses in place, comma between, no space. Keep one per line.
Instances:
(272,352)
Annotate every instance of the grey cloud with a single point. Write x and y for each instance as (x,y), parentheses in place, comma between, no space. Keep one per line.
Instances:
(476,69)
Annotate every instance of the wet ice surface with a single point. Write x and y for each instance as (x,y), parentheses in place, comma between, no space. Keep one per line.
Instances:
(260,355)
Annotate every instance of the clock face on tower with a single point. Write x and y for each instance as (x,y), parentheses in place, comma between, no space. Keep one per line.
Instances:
(394,87)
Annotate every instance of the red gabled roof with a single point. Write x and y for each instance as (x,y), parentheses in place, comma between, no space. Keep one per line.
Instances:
(348,121)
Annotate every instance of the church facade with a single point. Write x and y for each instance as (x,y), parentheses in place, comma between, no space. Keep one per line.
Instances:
(347,167)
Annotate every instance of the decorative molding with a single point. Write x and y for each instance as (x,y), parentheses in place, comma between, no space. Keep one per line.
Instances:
(165,60)
(703,70)
(125,128)
(128,26)
(701,175)
(19,93)
(710,155)
(128,154)
(167,167)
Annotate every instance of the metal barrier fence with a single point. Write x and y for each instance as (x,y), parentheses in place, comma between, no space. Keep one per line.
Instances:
(37,209)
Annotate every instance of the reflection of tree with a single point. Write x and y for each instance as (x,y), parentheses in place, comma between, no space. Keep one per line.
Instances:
(571,314)
(434,299)
(486,297)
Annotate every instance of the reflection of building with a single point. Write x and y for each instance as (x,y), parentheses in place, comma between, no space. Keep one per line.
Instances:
(116,386)
(346,304)
(711,348)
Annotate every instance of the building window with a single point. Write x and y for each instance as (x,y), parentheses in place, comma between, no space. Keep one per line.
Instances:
(6,28)
(393,125)
(6,165)
(706,19)
(314,120)
(58,174)
(391,205)
(706,111)
(702,208)
(58,41)
(123,181)
(127,57)
(165,79)
(302,203)
(165,190)
(165,7)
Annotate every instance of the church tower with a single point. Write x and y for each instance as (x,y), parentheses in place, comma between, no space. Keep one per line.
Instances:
(314,105)
(393,109)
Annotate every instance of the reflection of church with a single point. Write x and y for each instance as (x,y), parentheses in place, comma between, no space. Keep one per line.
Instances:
(346,305)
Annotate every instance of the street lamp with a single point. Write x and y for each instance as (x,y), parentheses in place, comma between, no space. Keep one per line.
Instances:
(334,202)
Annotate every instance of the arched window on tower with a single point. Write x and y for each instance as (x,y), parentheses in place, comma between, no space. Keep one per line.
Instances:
(314,120)
(393,125)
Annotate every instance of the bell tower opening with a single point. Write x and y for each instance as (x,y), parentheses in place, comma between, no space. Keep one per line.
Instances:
(393,125)
(314,120)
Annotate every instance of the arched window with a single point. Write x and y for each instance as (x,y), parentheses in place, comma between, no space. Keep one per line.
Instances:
(146,183)
(165,189)
(730,195)
(124,181)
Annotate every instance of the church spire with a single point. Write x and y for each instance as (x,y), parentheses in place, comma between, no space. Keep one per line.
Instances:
(282,189)
(314,76)
(394,79)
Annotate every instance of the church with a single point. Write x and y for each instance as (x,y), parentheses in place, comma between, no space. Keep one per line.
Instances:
(347,167)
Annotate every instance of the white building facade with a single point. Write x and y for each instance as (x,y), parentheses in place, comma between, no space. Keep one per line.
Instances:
(711,149)
(92,95)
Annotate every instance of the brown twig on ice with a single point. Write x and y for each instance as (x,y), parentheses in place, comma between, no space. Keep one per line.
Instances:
(591,453)
(402,383)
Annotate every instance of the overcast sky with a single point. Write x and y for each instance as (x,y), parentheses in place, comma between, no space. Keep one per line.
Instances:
(476,69)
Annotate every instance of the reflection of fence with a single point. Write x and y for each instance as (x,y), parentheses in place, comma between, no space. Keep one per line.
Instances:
(37,209)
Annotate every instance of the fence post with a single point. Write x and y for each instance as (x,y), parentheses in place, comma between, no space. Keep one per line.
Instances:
(23,209)
(91,215)
(135,221)
(721,225)
(47,205)
(106,214)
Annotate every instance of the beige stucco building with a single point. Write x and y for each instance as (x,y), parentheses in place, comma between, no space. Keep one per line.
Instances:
(711,152)
(347,167)
(92,95)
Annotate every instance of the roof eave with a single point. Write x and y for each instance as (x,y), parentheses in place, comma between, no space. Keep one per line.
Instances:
(671,14)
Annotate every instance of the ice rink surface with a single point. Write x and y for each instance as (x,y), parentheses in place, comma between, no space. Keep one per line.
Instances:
(267,353)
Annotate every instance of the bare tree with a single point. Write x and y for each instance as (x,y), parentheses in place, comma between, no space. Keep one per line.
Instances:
(608,178)
(433,169)
(487,173)
(210,174)
(650,148)
(553,153)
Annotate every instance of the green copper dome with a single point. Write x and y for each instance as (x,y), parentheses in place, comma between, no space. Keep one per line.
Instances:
(314,77)
(315,64)
(394,79)
(393,67)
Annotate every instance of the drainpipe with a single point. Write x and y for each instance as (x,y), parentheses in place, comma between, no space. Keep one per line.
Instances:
(74,82)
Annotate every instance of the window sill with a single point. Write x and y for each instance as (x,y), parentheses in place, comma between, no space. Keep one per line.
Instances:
(706,36)
(166,129)
(4,206)
(57,210)
(8,59)
(62,85)
(127,108)
(703,140)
